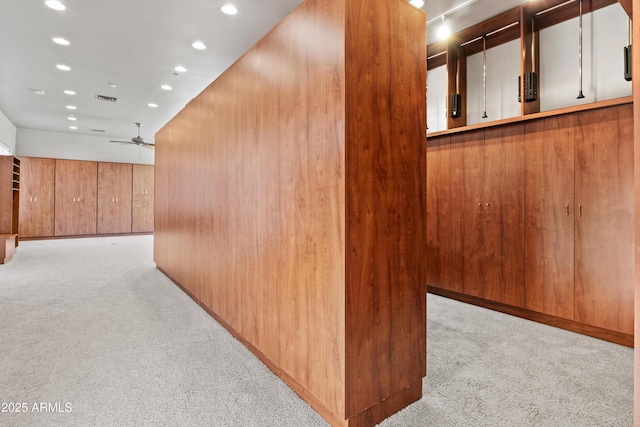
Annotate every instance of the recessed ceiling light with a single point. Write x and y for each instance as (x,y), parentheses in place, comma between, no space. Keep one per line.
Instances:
(55,4)
(166,87)
(180,69)
(69,92)
(199,45)
(152,105)
(229,9)
(71,107)
(63,67)
(71,118)
(73,127)
(417,3)
(113,85)
(39,92)
(60,40)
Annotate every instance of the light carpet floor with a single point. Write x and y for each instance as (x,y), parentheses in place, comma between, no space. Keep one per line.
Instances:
(91,329)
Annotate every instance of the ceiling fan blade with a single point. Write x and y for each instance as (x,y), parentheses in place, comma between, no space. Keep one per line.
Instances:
(121,142)
(149,146)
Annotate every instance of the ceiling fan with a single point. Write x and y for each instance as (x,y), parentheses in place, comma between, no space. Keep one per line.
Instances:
(137,140)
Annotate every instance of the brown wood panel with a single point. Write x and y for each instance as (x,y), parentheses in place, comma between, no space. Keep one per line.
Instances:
(468,213)
(75,197)
(636,163)
(37,177)
(605,218)
(550,216)
(440,243)
(114,198)
(504,214)
(267,185)
(142,199)
(386,192)
(251,212)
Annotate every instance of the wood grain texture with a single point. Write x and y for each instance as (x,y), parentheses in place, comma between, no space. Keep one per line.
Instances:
(550,216)
(114,198)
(636,163)
(604,243)
(37,178)
(440,243)
(504,214)
(75,197)
(142,199)
(250,202)
(386,196)
(468,212)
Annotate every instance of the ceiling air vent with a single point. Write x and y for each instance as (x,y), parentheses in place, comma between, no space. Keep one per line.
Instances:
(106,98)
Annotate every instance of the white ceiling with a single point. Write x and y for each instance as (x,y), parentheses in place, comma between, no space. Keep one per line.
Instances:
(136,44)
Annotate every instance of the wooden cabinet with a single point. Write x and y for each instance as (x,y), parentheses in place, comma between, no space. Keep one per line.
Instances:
(114,198)
(605,218)
(440,243)
(487,211)
(142,213)
(542,215)
(75,197)
(550,215)
(37,197)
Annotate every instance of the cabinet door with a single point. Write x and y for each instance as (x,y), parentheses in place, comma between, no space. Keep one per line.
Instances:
(550,216)
(468,217)
(36,197)
(114,198)
(504,214)
(605,219)
(143,194)
(75,197)
(439,222)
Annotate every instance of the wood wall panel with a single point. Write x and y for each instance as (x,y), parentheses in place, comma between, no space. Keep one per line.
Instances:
(386,201)
(75,197)
(37,177)
(504,214)
(550,216)
(440,242)
(636,163)
(604,195)
(251,209)
(468,213)
(114,198)
(142,199)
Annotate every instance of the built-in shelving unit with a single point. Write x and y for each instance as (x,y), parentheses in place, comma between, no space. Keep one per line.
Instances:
(9,206)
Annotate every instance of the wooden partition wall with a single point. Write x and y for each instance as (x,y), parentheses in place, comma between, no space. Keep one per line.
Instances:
(290,203)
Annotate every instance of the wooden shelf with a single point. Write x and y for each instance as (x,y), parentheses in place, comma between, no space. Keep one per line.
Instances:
(550,113)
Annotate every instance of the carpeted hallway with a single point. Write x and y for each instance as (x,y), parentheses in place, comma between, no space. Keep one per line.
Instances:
(92,330)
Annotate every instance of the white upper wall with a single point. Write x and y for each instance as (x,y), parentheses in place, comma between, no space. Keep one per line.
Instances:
(605,35)
(39,143)
(7,133)
(437,96)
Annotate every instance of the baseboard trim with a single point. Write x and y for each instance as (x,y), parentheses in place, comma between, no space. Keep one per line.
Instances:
(367,418)
(83,236)
(558,322)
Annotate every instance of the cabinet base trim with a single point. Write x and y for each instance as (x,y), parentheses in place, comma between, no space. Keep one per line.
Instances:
(85,236)
(367,418)
(569,325)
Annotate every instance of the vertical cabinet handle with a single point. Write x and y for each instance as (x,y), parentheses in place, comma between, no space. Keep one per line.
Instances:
(31,199)
(580,210)
(567,206)
(116,199)
(488,206)
(479,208)
(35,199)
